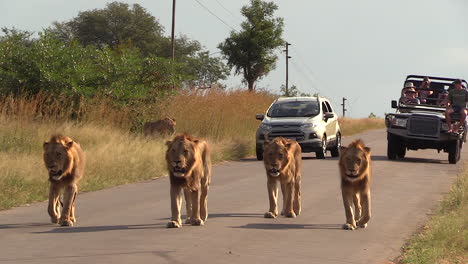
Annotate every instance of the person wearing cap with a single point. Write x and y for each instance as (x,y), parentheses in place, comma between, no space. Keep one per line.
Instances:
(456,103)
(424,90)
(409,94)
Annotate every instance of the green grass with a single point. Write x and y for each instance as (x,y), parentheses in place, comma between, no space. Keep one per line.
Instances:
(444,239)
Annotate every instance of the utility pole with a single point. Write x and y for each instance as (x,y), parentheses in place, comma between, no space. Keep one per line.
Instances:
(287,67)
(344,107)
(173,29)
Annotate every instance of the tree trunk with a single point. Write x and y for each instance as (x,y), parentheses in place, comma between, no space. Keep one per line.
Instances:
(251,85)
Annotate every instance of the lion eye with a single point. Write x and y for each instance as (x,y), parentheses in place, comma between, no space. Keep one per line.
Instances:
(59,154)
(185,151)
(358,160)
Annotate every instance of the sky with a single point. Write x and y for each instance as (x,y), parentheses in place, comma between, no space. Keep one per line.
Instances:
(360,50)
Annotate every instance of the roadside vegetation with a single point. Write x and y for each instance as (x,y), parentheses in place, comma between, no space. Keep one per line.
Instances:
(351,126)
(117,153)
(444,239)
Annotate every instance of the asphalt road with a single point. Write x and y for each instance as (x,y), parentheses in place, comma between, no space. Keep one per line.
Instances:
(126,224)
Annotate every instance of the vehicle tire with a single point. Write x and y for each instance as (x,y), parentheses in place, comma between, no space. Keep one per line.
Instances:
(401,150)
(391,147)
(335,151)
(259,152)
(321,154)
(454,151)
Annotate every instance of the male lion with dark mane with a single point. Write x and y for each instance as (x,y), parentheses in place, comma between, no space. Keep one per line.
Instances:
(65,161)
(164,127)
(355,170)
(283,163)
(189,164)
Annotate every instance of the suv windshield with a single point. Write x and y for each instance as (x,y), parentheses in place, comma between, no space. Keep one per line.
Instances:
(294,109)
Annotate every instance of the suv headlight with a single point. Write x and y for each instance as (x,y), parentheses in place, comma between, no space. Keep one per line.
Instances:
(309,125)
(445,126)
(399,122)
(265,126)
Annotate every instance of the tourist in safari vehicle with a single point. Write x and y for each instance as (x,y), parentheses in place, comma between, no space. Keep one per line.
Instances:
(457,100)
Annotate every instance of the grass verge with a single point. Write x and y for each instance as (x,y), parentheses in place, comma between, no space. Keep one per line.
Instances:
(444,239)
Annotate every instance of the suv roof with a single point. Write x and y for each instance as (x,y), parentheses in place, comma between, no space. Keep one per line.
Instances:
(301,98)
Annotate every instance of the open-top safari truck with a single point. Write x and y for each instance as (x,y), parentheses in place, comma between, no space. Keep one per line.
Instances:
(421,124)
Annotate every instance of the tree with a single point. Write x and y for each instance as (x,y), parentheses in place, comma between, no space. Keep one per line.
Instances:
(115,25)
(251,52)
(372,115)
(292,91)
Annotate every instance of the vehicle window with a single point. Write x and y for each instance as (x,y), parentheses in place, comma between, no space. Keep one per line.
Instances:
(294,109)
(330,109)
(324,108)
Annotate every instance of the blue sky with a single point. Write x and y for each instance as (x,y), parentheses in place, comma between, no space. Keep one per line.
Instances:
(360,49)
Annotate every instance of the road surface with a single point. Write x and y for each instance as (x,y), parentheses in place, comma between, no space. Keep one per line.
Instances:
(126,224)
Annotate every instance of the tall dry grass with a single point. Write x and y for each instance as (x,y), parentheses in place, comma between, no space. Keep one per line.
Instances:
(351,126)
(116,154)
(110,135)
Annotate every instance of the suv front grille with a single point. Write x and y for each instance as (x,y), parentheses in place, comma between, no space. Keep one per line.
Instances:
(291,134)
(424,126)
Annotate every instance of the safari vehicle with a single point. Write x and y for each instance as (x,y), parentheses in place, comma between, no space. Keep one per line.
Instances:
(423,125)
(311,121)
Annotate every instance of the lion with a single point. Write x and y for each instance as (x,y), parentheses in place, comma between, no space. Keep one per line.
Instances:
(283,163)
(164,127)
(65,162)
(189,165)
(355,171)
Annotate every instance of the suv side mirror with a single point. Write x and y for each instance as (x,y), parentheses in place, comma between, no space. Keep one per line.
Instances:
(328,115)
(259,117)
(394,104)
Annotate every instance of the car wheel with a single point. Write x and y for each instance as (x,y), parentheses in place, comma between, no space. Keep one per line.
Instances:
(454,151)
(321,154)
(335,151)
(259,153)
(391,147)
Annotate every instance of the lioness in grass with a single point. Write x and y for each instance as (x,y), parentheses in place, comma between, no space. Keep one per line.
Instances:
(355,171)
(164,127)
(65,162)
(283,163)
(189,164)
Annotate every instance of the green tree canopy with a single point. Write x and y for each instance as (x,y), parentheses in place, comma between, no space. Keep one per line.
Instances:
(115,25)
(293,91)
(251,52)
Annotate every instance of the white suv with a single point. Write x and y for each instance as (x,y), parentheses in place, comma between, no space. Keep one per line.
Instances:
(311,121)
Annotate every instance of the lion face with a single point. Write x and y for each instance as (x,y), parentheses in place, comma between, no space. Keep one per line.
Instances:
(354,161)
(276,156)
(170,121)
(180,155)
(57,159)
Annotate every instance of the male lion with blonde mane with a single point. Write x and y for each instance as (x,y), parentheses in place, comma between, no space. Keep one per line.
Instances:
(355,170)
(65,161)
(283,163)
(164,127)
(189,164)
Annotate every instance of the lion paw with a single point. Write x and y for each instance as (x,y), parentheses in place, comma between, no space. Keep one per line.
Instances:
(197,222)
(290,214)
(362,225)
(270,215)
(349,226)
(173,224)
(54,220)
(66,223)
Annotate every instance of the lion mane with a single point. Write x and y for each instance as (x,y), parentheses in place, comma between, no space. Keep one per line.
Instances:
(283,164)
(65,161)
(163,127)
(189,165)
(355,172)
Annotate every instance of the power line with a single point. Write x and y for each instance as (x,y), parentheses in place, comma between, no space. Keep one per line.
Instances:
(227,10)
(206,8)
